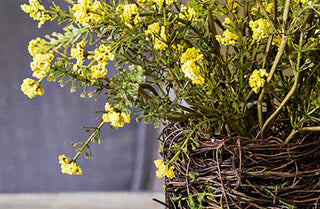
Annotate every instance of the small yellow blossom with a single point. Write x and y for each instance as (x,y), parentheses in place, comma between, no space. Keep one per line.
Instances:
(227,38)
(31,88)
(188,14)
(159,43)
(115,118)
(276,41)
(267,7)
(98,72)
(103,54)
(68,166)
(36,11)
(88,13)
(261,29)
(163,170)
(190,61)
(129,11)
(257,80)
(41,64)
(79,52)
(34,45)
(161,2)
(233,6)
(304,2)
(227,22)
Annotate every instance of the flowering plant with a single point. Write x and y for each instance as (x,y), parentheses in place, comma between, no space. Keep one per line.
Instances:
(237,67)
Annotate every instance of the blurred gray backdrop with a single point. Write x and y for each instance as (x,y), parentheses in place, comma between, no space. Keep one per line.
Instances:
(34,132)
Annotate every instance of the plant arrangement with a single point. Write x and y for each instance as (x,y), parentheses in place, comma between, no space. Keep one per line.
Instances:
(237,82)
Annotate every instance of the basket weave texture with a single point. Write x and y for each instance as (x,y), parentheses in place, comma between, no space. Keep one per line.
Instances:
(238,172)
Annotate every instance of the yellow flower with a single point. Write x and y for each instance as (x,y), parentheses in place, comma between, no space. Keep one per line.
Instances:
(129,11)
(304,2)
(188,14)
(34,45)
(36,11)
(79,52)
(233,6)
(31,88)
(68,166)
(276,41)
(190,61)
(115,119)
(227,38)
(41,64)
(98,72)
(261,29)
(88,13)
(163,170)
(257,80)
(159,43)
(153,29)
(103,54)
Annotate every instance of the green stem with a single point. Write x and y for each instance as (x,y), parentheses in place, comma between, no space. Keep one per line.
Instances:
(93,134)
(284,40)
(294,132)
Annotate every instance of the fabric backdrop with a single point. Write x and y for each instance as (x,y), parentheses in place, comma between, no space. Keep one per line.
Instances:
(34,132)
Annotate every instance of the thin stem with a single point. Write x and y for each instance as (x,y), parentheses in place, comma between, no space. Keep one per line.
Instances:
(294,132)
(284,40)
(93,134)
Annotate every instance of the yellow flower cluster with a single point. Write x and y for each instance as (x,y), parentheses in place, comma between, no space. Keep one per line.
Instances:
(188,14)
(79,52)
(276,41)
(161,2)
(102,55)
(227,22)
(314,41)
(36,11)
(116,119)
(190,61)
(88,13)
(303,1)
(257,80)
(163,170)
(227,38)
(34,45)
(261,29)
(267,7)
(68,166)
(158,34)
(41,64)
(31,88)
(129,11)
(233,6)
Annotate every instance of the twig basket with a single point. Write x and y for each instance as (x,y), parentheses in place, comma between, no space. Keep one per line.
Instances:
(238,172)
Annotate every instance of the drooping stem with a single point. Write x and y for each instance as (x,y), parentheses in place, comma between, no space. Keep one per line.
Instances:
(85,144)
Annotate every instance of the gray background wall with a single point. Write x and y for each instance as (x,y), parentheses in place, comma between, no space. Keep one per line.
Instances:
(33,133)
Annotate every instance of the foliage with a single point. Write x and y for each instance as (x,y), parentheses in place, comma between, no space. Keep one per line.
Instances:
(238,67)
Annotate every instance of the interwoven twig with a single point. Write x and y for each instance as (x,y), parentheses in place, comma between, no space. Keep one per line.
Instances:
(238,172)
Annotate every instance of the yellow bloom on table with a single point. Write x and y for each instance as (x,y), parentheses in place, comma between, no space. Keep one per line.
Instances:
(261,29)
(163,170)
(116,119)
(188,14)
(88,13)
(68,166)
(257,80)
(41,64)
(36,11)
(31,88)
(79,52)
(228,38)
